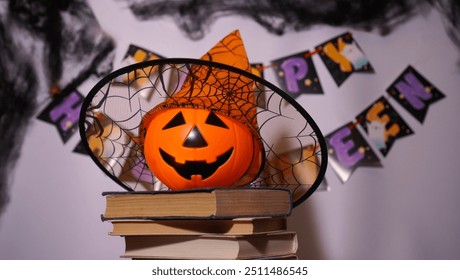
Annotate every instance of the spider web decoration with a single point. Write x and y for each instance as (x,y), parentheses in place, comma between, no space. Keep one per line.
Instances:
(112,113)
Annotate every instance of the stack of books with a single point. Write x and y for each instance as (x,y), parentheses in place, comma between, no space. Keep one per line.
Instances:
(223,223)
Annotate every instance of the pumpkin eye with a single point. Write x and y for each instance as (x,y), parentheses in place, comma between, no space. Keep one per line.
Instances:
(214,120)
(177,120)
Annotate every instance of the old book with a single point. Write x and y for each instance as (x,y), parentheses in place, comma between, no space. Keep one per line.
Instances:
(241,226)
(211,246)
(218,203)
(282,257)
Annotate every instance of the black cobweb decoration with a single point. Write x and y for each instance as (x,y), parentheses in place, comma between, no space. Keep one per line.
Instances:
(295,150)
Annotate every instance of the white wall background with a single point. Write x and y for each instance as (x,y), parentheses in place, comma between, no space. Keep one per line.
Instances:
(406,210)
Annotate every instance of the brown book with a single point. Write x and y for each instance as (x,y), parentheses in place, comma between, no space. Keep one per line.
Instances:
(241,226)
(211,247)
(283,257)
(218,203)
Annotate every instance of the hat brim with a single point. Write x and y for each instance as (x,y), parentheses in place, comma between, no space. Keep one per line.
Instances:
(294,147)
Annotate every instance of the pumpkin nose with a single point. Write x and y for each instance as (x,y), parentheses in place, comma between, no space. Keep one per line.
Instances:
(195,139)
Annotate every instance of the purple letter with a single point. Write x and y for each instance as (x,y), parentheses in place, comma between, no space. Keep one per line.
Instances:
(70,109)
(341,148)
(294,68)
(413,91)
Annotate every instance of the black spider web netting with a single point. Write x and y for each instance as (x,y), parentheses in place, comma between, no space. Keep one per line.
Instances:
(295,151)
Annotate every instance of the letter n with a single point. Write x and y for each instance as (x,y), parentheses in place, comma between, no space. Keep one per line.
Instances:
(414,93)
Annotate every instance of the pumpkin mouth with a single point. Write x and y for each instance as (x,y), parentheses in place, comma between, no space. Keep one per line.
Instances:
(199,167)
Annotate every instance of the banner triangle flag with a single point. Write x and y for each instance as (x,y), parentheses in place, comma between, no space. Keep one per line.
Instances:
(296,74)
(383,125)
(414,93)
(63,112)
(348,150)
(343,56)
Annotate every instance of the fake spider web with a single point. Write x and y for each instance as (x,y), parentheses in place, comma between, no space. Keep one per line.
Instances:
(295,151)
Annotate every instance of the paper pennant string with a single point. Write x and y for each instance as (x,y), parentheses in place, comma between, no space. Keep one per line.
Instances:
(383,125)
(348,150)
(343,56)
(63,112)
(414,93)
(296,74)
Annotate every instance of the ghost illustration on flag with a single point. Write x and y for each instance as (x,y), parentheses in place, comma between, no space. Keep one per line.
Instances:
(343,56)
(383,125)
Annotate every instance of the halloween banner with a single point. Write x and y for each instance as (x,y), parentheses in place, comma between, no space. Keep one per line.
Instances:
(349,150)
(63,112)
(296,74)
(349,147)
(383,125)
(414,93)
(343,56)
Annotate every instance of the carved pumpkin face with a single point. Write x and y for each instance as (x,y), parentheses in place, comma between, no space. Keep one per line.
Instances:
(196,148)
